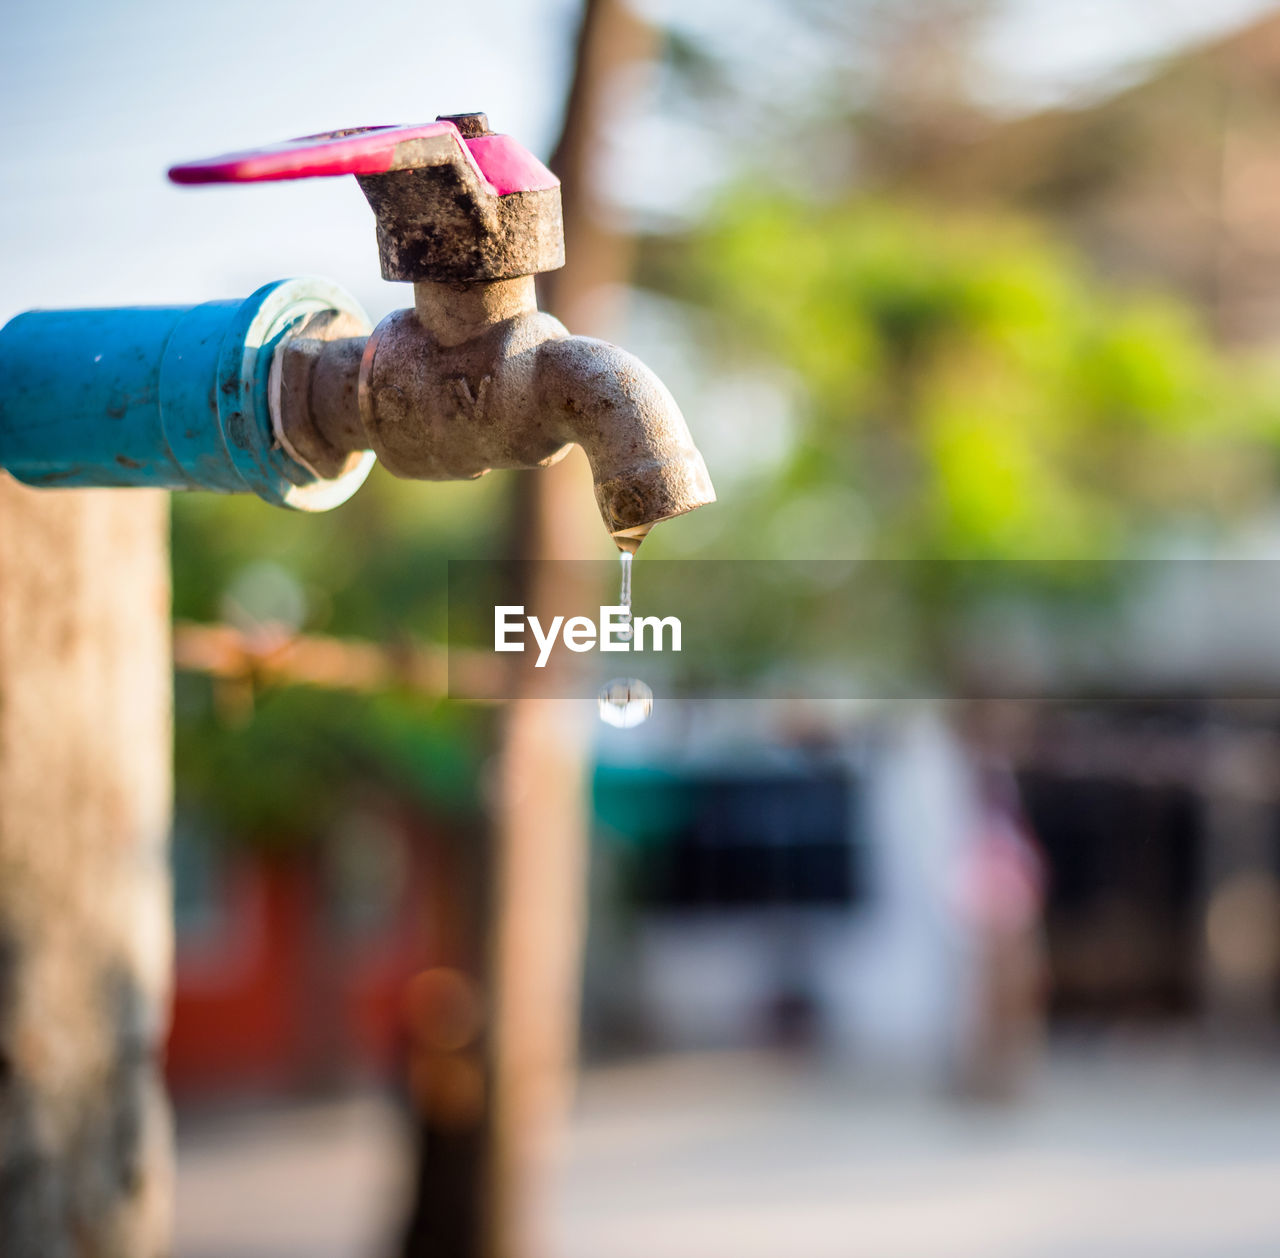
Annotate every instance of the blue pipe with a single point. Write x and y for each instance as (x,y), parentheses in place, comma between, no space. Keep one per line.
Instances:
(167,397)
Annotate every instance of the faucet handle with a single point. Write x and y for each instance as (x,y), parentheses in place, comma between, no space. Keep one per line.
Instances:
(454,202)
(504,164)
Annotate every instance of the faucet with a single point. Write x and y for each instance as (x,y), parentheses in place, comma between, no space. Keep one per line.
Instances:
(290,393)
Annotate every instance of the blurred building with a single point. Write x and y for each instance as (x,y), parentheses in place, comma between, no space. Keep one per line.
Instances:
(831,893)
(919,889)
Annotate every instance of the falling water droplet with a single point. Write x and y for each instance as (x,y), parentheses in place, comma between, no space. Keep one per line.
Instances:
(624,597)
(625,702)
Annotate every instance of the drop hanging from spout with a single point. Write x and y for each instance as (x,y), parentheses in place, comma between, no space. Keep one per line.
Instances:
(628,540)
(626,702)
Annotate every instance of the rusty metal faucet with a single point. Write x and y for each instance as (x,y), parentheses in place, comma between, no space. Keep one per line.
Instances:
(474,376)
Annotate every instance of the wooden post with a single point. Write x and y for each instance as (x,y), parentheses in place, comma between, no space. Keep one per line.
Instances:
(483,1193)
(543,820)
(85,917)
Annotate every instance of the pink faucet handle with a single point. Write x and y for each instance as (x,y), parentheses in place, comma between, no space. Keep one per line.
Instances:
(454,203)
(501,163)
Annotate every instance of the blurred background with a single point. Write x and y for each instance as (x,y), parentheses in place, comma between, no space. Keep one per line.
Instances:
(980,280)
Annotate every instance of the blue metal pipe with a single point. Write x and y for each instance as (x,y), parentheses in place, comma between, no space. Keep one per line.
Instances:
(170,397)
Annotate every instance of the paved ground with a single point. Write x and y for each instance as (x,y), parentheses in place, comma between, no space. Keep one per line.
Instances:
(303,1181)
(741,1157)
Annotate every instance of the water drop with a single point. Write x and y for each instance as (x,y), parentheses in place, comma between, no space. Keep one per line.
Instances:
(624,597)
(628,540)
(625,702)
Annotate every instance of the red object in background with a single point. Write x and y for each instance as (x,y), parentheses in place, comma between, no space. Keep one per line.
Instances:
(234,1015)
(271,992)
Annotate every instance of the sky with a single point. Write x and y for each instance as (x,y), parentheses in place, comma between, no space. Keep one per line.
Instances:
(102,98)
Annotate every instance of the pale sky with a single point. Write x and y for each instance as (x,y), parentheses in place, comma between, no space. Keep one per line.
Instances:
(102,97)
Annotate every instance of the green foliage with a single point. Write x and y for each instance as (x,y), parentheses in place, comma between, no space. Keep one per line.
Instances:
(375,567)
(276,767)
(281,776)
(962,388)
(967,385)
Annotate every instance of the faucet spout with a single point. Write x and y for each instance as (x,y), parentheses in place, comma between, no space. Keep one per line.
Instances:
(475,377)
(643,460)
